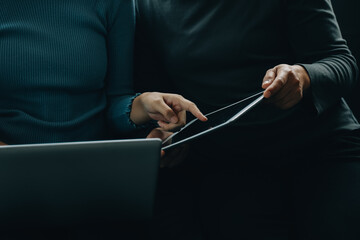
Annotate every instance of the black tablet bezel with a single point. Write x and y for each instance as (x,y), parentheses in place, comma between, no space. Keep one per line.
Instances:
(254,100)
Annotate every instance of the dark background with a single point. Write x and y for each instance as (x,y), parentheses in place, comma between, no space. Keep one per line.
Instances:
(348,16)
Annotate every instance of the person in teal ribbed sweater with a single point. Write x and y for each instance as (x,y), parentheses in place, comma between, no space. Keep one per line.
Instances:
(66,73)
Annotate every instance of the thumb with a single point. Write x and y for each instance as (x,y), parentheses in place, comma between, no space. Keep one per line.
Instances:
(269,77)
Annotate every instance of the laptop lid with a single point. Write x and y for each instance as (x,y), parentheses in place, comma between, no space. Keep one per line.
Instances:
(79,182)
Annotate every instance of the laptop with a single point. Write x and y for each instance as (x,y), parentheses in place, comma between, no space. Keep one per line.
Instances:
(216,120)
(78,183)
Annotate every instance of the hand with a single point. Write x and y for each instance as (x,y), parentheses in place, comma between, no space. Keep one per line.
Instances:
(172,157)
(168,109)
(159,133)
(284,85)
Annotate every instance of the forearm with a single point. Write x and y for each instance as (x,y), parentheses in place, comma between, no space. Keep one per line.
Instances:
(331,79)
(318,46)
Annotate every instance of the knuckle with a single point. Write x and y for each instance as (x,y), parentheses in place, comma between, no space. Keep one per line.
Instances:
(169,112)
(299,92)
(182,122)
(297,79)
(192,105)
(292,73)
(283,66)
(177,108)
(157,102)
(295,82)
(270,71)
(287,70)
(280,82)
(179,96)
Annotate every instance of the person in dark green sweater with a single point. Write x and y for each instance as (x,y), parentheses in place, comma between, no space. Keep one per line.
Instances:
(66,73)
(289,169)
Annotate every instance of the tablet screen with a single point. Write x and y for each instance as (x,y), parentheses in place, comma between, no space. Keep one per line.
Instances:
(216,119)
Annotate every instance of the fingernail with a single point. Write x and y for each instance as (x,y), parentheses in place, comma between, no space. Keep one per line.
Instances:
(266,82)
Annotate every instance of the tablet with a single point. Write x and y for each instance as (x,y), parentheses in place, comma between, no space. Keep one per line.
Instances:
(216,120)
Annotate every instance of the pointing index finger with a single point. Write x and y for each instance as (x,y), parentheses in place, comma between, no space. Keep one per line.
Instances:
(191,107)
(179,104)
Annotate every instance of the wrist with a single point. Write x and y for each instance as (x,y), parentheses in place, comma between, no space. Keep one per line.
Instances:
(138,113)
(303,76)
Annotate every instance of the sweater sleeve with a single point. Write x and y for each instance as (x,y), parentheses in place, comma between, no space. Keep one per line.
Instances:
(119,84)
(318,46)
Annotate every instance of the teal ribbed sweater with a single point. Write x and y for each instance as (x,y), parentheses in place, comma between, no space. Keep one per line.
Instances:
(65,69)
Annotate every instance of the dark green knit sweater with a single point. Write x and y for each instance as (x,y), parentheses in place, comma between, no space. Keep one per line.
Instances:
(65,69)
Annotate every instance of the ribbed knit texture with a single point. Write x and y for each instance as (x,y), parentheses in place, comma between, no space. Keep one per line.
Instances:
(63,66)
(217,52)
